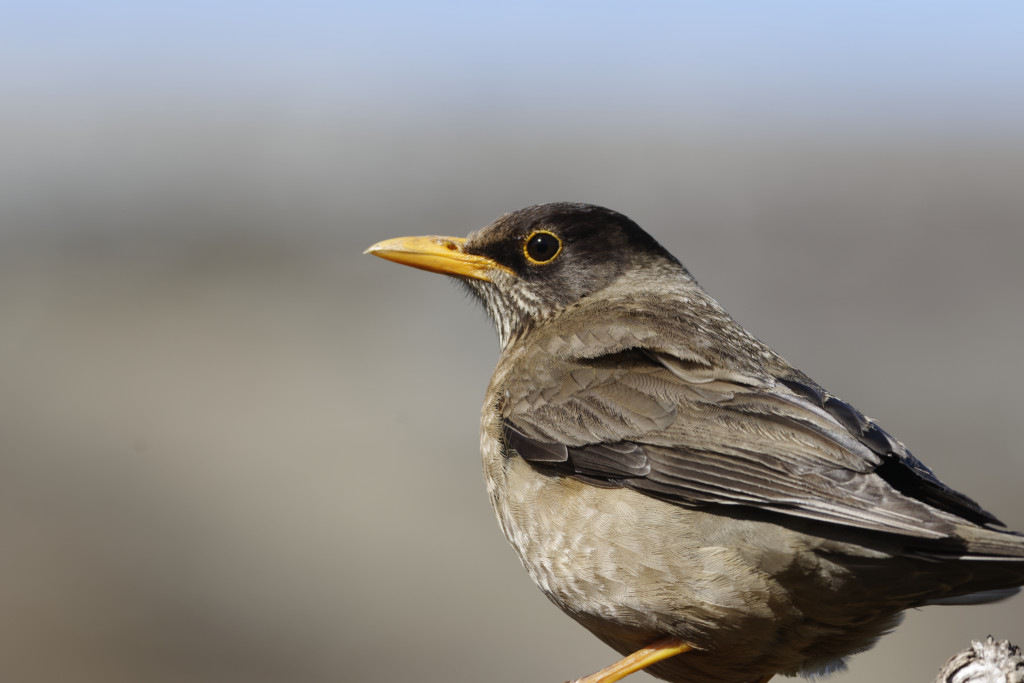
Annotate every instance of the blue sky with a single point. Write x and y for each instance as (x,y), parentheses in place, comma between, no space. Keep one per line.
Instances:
(881,59)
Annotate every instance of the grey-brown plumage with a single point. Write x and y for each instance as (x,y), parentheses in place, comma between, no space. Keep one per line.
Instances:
(661,472)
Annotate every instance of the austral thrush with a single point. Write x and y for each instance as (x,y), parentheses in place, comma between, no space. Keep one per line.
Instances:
(674,485)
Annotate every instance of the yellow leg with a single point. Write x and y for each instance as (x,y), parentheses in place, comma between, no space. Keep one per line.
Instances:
(641,659)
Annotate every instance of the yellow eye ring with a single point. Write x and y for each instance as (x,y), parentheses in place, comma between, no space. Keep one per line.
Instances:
(542,246)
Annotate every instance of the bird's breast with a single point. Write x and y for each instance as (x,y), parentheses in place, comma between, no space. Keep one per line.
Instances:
(632,568)
(616,554)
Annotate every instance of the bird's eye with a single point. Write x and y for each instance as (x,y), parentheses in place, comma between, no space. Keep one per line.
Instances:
(542,246)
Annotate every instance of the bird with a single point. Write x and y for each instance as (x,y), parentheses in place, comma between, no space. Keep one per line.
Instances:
(677,487)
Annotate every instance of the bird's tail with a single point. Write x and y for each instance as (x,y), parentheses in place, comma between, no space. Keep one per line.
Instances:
(979,598)
(989,566)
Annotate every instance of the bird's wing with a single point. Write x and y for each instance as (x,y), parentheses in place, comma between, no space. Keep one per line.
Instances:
(666,422)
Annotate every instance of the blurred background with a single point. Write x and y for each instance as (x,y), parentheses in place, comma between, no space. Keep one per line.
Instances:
(232,448)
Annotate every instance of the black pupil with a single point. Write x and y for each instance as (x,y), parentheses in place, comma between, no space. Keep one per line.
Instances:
(542,247)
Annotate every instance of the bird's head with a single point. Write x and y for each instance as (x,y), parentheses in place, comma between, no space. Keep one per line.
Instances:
(532,263)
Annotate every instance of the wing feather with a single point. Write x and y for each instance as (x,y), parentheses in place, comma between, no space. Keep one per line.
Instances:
(665,422)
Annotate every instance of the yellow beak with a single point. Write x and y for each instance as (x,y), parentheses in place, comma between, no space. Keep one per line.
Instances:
(444,255)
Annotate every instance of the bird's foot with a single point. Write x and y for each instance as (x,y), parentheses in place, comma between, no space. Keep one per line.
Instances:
(641,659)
